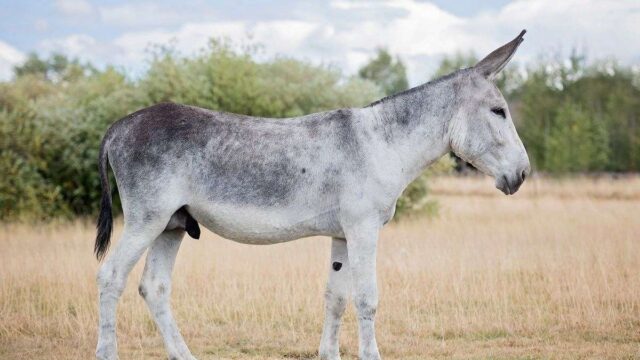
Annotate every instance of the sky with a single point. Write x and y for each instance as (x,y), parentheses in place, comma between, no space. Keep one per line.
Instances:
(341,33)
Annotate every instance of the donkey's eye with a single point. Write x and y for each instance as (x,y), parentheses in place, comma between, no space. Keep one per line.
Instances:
(499,111)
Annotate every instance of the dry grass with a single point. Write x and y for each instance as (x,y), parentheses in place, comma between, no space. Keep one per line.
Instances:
(552,272)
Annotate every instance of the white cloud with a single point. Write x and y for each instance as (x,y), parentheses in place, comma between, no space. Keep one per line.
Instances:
(149,14)
(9,57)
(602,28)
(134,14)
(131,49)
(74,7)
(346,33)
(81,46)
(188,39)
(425,31)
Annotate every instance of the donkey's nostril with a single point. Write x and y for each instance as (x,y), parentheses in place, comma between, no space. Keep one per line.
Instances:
(524,174)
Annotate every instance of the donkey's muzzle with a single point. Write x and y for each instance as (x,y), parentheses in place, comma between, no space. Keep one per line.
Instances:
(509,185)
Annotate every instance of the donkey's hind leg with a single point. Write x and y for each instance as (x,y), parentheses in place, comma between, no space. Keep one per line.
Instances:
(112,276)
(155,288)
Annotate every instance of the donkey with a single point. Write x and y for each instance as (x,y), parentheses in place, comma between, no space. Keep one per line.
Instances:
(263,181)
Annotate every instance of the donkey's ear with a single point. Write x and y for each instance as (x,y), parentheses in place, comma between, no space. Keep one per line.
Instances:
(491,65)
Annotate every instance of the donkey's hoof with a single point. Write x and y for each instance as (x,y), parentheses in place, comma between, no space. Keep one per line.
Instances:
(104,353)
(370,356)
(107,349)
(329,354)
(181,357)
(324,356)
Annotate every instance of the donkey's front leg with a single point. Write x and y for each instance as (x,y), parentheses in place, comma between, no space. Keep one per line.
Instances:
(361,245)
(336,297)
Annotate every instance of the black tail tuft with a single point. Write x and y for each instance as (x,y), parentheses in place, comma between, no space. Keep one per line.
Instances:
(105,219)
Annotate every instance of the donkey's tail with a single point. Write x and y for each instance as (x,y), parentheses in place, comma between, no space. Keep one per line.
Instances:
(105,219)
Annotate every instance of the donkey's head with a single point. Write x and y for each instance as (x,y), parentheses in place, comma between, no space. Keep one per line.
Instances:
(482,131)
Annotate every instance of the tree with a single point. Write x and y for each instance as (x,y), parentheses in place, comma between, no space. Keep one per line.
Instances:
(597,106)
(576,142)
(32,66)
(57,67)
(388,73)
(51,123)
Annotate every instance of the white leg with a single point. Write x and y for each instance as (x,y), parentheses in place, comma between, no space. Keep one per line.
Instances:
(361,245)
(155,288)
(112,278)
(336,297)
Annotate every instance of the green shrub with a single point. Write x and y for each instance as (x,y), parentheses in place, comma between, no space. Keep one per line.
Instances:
(54,114)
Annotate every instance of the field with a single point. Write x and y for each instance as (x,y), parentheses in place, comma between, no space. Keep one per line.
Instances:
(552,272)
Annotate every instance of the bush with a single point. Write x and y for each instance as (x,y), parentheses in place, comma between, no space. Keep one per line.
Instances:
(54,114)
(579,118)
(576,142)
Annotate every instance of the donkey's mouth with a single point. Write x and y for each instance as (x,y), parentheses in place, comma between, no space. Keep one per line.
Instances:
(503,185)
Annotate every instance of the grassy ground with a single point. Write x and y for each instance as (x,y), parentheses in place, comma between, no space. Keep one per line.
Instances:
(552,272)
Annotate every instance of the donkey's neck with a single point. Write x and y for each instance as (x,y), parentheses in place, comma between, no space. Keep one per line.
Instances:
(413,127)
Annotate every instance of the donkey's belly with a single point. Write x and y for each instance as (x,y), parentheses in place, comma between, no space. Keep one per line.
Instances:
(254,225)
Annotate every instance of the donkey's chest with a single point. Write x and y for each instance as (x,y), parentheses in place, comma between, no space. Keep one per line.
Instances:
(266,225)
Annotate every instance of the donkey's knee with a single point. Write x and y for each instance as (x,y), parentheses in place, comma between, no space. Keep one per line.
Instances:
(366,307)
(335,302)
(109,281)
(153,291)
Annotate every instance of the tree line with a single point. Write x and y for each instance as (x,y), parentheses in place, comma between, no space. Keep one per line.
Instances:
(53,113)
(573,117)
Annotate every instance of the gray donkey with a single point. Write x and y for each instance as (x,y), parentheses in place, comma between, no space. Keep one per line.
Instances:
(263,181)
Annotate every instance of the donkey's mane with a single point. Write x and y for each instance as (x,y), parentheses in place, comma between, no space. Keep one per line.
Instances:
(416,88)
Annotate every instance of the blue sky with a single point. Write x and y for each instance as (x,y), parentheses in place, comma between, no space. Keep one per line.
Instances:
(344,33)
